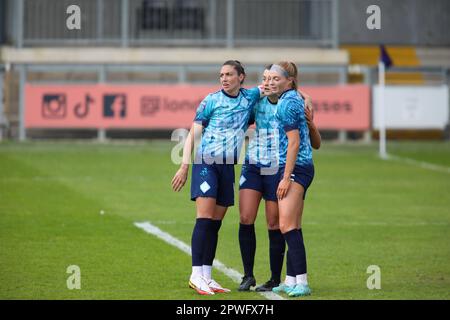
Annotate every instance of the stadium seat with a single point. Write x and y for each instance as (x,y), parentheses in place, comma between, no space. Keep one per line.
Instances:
(401,56)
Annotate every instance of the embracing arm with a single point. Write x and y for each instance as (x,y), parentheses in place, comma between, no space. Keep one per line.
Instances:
(314,133)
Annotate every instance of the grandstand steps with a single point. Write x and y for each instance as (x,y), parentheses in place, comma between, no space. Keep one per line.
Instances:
(401,57)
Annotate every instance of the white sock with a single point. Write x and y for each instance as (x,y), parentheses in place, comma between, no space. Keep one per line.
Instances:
(207,272)
(302,279)
(197,271)
(290,281)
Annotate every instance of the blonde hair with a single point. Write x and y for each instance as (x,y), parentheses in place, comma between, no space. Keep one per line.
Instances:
(292,72)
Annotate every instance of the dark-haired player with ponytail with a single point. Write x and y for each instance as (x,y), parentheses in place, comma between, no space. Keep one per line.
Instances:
(221,119)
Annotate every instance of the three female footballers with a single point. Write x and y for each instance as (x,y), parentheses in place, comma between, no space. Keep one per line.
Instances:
(259,179)
(221,119)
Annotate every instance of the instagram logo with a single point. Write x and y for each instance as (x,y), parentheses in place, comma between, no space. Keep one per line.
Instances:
(54,106)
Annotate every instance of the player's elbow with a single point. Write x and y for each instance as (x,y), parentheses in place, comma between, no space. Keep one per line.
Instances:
(316,145)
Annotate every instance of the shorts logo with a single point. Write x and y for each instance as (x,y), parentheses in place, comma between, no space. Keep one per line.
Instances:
(204,173)
(242,180)
(205,187)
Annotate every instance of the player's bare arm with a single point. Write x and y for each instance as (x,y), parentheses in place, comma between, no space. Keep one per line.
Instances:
(314,133)
(180,176)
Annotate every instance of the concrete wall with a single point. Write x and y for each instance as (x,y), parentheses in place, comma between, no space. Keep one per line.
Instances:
(403,22)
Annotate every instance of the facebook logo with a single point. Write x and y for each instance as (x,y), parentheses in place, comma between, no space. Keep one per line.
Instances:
(114,105)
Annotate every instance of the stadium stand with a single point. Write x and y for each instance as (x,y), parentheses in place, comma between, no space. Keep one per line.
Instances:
(171,42)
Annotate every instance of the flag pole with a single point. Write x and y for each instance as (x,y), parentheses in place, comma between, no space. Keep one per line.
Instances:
(382,117)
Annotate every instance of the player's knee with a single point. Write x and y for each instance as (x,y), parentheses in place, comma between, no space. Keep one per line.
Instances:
(273,225)
(247,218)
(286,227)
(205,214)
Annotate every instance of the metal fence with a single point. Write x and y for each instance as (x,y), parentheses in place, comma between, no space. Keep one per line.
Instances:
(175,22)
(3,122)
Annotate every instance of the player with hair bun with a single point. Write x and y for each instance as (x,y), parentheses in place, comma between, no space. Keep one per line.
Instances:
(221,120)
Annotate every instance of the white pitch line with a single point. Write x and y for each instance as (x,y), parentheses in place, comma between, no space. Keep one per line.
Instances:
(422,164)
(229,272)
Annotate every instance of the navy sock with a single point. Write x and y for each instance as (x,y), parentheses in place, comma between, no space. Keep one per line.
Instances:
(277,245)
(247,243)
(303,253)
(294,239)
(289,271)
(211,240)
(198,240)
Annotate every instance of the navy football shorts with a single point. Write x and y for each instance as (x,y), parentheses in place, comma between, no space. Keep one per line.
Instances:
(302,174)
(253,178)
(214,181)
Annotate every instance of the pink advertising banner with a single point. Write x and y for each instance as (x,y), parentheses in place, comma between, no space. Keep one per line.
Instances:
(106,106)
(342,107)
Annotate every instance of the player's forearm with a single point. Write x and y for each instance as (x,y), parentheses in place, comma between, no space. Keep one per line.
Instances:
(314,135)
(187,151)
(194,135)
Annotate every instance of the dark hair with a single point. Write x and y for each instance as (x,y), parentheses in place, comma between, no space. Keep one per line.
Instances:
(268,66)
(237,66)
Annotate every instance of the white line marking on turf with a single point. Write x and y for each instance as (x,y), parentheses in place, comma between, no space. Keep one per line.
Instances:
(229,272)
(422,164)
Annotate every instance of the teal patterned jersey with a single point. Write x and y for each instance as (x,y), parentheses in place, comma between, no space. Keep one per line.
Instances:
(263,147)
(225,120)
(291,115)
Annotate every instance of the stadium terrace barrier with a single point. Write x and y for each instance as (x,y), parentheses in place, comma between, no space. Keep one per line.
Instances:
(71,59)
(175,22)
(105,106)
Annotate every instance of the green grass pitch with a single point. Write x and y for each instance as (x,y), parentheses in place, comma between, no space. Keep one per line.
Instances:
(360,211)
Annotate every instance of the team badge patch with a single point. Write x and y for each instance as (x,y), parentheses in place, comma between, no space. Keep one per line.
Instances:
(205,187)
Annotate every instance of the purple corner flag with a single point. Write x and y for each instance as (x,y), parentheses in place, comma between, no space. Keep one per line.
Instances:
(384,57)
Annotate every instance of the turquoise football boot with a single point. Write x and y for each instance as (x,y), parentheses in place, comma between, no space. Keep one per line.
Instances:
(300,290)
(283,288)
